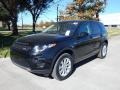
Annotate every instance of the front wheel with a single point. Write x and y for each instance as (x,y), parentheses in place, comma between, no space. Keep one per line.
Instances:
(63,67)
(103,51)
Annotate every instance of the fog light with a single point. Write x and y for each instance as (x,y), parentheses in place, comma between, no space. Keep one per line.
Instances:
(39,62)
(37,59)
(40,65)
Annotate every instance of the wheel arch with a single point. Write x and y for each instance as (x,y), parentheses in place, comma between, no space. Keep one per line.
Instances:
(106,41)
(68,50)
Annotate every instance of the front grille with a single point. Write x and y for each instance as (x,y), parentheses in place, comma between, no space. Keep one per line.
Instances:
(20,60)
(20,54)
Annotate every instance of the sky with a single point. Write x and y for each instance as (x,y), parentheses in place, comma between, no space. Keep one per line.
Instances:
(113,6)
(110,19)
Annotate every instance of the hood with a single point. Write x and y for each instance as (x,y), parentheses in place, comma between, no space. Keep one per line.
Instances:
(41,38)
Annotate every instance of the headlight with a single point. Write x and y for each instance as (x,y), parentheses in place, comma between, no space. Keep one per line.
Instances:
(38,49)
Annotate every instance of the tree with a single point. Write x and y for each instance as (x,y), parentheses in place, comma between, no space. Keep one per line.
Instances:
(85,9)
(13,8)
(98,7)
(35,7)
(4,16)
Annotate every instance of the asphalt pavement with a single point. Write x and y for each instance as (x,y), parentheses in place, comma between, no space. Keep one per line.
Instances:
(92,74)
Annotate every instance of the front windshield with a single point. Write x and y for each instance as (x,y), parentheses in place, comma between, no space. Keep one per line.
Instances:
(62,28)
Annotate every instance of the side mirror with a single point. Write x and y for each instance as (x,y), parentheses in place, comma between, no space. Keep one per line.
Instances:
(83,34)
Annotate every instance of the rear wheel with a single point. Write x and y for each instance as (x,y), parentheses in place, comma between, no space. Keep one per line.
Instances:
(63,67)
(103,51)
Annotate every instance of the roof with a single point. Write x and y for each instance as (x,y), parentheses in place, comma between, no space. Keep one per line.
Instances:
(78,20)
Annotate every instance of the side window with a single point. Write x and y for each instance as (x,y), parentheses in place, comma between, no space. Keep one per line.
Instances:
(102,27)
(84,27)
(95,28)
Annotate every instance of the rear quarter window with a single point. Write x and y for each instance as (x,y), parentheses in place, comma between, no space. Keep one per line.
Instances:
(103,29)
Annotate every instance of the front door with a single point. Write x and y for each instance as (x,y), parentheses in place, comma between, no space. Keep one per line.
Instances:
(83,45)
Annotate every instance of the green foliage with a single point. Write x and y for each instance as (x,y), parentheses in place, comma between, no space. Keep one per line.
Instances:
(4,17)
(85,9)
(3,29)
(6,40)
(35,7)
(3,12)
(12,7)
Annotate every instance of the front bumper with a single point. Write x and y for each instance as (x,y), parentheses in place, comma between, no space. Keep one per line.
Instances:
(34,64)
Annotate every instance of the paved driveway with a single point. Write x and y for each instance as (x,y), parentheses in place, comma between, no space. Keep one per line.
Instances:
(95,75)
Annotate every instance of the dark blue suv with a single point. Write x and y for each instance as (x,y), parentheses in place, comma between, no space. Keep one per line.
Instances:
(55,50)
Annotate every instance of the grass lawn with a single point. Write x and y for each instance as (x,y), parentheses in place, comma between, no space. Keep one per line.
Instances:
(113,32)
(6,40)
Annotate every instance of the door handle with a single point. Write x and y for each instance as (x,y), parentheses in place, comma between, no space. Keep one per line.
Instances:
(95,37)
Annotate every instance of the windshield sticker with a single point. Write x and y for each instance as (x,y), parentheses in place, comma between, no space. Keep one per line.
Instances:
(75,23)
(67,33)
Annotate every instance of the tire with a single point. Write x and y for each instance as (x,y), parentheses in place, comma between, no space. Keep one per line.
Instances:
(103,51)
(59,71)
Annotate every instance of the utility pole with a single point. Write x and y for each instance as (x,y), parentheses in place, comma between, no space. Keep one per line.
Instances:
(57,12)
(22,20)
(57,15)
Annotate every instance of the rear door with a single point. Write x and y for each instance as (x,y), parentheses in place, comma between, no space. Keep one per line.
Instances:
(95,35)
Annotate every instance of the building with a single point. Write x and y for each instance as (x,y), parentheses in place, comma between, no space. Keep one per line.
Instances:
(111,20)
